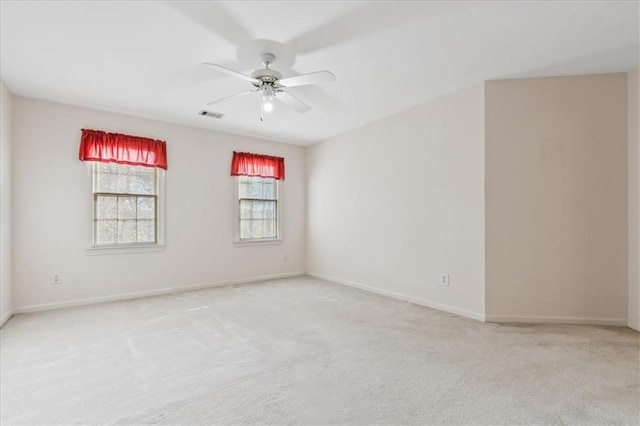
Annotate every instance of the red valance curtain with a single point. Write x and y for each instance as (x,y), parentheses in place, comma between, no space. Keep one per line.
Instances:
(96,145)
(247,164)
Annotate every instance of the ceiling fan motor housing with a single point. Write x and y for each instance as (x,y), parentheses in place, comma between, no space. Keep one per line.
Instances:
(265,76)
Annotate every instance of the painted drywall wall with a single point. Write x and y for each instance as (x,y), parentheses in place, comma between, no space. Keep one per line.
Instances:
(395,203)
(6,99)
(556,199)
(52,216)
(633,123)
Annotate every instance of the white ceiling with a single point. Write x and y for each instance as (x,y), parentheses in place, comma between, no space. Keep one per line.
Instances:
(144,58)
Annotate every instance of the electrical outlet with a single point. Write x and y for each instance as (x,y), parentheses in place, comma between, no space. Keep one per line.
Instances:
(55,279)
(444,280)
(284,258)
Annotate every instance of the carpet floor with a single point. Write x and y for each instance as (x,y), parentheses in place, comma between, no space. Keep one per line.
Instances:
(305,351)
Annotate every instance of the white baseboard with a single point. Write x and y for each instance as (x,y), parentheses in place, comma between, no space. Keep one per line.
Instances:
(634,324)
(617,322)
(415,300)
(6,318)
(141,294)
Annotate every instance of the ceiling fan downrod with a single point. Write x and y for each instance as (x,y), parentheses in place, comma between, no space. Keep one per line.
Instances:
(267,59)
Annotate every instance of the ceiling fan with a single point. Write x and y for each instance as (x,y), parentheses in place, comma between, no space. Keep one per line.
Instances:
(272,86)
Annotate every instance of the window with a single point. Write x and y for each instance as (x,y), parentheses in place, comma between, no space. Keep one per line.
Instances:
(127,180)
(258,209)
(125,204)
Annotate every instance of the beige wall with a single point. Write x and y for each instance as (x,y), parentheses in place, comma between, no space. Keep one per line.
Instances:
(5,203)
(52,219)
(633,84)
(395,203)
(556,199)
(391,205)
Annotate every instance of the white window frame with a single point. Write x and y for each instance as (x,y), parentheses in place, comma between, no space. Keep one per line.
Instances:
(159,245)
(236,217)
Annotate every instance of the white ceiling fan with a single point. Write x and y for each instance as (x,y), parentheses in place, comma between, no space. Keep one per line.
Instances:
(272,86)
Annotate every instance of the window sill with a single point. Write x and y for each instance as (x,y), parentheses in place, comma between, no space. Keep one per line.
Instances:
(253,243)
(124,249)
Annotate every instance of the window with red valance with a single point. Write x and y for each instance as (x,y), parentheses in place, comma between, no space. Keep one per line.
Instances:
(257,196)
(96,145)
(264,166)
(127,184)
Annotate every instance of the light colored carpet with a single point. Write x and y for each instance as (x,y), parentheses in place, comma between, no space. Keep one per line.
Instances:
(306,351)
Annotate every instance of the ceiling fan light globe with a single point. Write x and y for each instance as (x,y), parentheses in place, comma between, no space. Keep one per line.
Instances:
(267,106)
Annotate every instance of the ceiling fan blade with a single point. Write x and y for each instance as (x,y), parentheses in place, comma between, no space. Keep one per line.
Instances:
(293,102)
(232,72)
(362,19)
(229,97)
(305,79)
(214,17)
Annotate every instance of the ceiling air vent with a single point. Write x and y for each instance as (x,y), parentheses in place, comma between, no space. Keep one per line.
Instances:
(211,114)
